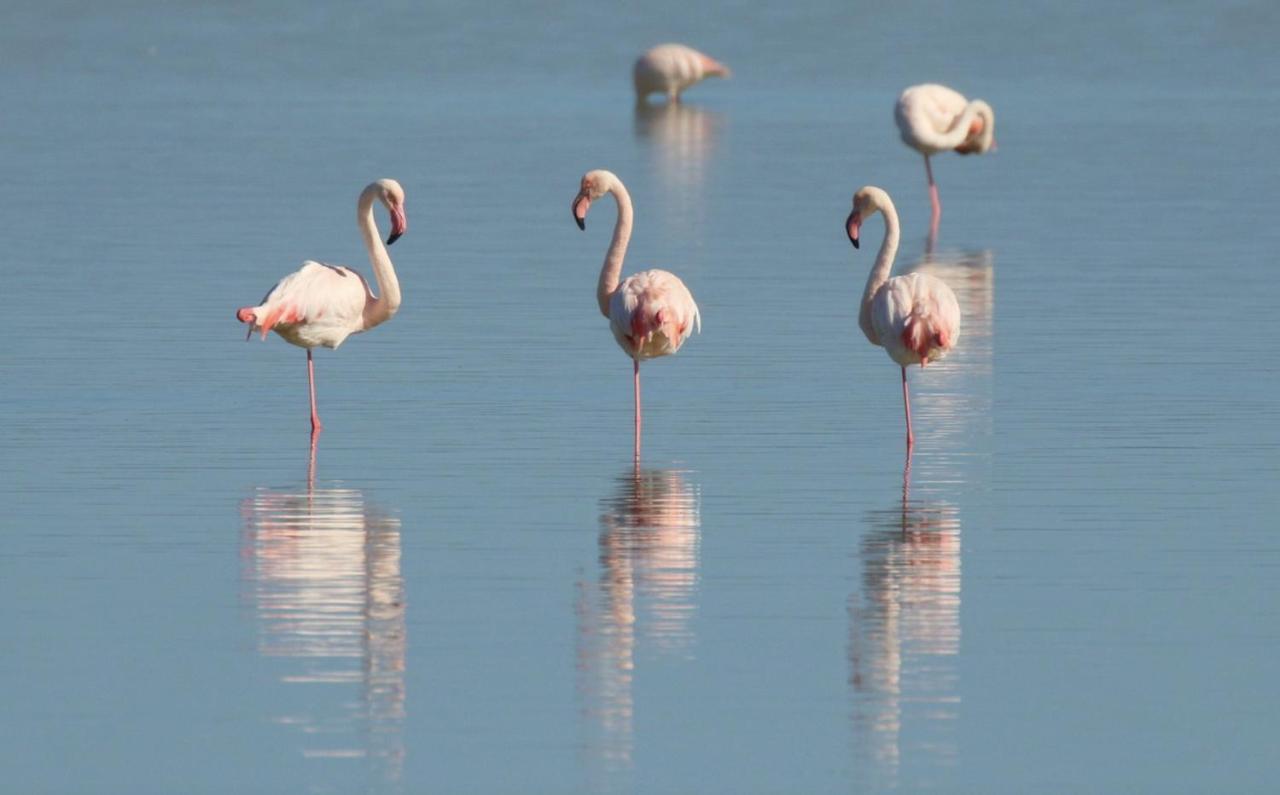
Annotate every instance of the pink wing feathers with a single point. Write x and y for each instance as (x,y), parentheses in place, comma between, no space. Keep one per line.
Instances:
(316,305)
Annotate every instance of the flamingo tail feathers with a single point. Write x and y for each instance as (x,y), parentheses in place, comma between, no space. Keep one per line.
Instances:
(922,333)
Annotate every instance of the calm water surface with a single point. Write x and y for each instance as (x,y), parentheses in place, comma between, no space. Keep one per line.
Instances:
(470,588)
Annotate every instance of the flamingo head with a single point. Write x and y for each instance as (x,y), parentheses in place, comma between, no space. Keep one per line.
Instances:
(594,185)
(391,195)
(866,202)
(982,131)
(713,68)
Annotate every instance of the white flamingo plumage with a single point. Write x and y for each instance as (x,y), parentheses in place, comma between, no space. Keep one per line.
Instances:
(322,305)
(651,313)
(914,317)
(933,118)
(669,69)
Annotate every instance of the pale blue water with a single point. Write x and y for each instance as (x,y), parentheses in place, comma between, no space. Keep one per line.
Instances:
(478,593)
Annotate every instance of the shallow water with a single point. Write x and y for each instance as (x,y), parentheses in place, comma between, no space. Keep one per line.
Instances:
(470,588)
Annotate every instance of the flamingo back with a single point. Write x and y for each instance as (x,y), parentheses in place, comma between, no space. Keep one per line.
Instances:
(916,318)
(926,112)
(652,313)
(316,305)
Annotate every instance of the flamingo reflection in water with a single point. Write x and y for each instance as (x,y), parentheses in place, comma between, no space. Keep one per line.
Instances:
(681,140)
(955,402)
(322,569)
(649,540)
(904,636)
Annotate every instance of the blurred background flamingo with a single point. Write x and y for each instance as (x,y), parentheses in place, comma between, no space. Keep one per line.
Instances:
(669,69)
(932,119)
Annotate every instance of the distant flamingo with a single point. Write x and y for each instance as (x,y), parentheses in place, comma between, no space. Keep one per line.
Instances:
(651,313)
(671,68)
(323,304)
(915,317)
(933,118)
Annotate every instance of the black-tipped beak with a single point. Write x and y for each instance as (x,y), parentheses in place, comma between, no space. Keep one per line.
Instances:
(851,225)
(398,224)
(580,207)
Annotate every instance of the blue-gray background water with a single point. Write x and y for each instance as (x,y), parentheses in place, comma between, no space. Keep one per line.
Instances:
(478,593)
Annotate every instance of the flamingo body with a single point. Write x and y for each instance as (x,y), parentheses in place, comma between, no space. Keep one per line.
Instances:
(916,318)
(669,69)
(318,305)
(929,120)
(652,313)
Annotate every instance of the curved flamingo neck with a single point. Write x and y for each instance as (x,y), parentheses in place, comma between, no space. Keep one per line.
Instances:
(880,270)
(611,271)
(377,309)
(959,131)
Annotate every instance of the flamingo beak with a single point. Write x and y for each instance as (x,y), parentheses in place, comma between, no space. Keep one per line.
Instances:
(398,224)
(852,225)
(580,207)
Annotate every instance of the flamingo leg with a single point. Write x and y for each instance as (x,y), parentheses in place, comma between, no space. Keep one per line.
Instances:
(933,200)
(637,389)
(906,404)
(311,382)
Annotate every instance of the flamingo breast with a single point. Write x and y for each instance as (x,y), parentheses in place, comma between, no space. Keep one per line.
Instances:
(916,318)
(652,313)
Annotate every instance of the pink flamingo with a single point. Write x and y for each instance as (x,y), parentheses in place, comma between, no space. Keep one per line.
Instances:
(651,313)
(933,118)
(915,317)
(671,68)
(321,304)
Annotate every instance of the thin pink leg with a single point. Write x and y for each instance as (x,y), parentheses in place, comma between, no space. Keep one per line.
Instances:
(637,387)
(906,404)
(311,381)
(933,200)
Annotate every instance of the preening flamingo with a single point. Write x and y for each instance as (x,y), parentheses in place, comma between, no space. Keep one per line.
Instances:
(321,304)
(915,317)
(933,118)
(651,313)
(671,68)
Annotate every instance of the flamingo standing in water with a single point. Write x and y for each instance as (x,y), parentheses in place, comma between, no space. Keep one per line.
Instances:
(651,313)
(671,68)
(933,118)
(321,304)
(915,317)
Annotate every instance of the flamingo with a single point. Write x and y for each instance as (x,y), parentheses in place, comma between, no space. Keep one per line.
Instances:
(915,317)
(671,68)
(651,313)
(321,304)
(933,118)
